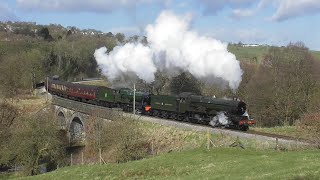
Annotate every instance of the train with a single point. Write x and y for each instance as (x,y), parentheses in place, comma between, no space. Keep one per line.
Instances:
(188,107)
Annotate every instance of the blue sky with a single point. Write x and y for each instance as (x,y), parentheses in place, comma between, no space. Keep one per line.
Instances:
(275,22)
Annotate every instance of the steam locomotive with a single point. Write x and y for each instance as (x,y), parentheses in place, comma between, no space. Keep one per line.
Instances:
(183,107)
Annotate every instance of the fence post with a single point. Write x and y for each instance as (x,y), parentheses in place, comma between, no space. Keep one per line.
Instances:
(152,148)
(82,158)
(100,158)
(277,145)
(71,163)
(208,139)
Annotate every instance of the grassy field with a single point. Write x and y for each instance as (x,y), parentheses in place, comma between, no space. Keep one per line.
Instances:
(255,54)
(28,105)
(7,175)
(250,54)
(316,54)
(280,130)
(220,163)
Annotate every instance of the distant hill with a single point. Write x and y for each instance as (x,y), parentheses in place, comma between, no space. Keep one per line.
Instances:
(249,54)
(255,53)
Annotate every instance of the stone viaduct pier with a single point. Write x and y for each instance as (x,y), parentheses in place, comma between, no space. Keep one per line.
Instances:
(72,116)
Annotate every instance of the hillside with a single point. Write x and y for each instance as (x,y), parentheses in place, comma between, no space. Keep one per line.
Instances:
(249,54)
(218,163)
(255,54)
(316,54)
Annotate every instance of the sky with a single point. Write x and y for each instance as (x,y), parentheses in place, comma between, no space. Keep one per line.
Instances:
(273,22)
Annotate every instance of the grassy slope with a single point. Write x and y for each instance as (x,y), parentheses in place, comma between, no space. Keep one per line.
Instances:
(249,53)
(281,130)
(202,164)
(316,54)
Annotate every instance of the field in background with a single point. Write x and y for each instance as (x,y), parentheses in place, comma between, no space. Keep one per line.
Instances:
(249,54)
(219,163)
(316,54)
(255,54)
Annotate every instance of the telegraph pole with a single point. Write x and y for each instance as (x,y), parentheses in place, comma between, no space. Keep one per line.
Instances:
(134,98)
(47,82)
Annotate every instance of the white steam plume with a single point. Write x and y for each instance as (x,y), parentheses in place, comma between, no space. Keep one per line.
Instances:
(172,45)
(131,57)
(219,119)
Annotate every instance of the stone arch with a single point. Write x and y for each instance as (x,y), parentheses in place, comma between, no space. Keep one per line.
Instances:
(76,129)
(61,119)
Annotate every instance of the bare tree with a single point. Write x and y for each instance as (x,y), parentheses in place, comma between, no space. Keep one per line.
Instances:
(37,140)
(8,115)
(280,91)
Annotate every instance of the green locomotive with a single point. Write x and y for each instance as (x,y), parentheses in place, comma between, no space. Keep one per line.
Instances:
(200,109)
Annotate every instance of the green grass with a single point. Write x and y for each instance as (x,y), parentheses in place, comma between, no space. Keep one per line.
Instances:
(249,53)
(218,163)
(316,54)
(281,130)
(6,175)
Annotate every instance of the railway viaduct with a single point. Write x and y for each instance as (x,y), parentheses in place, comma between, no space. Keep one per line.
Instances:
(73,117)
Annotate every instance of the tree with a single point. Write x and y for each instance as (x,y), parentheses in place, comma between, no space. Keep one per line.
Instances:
(158,86)
(121,138)
(8,115)
(37,140)
(109,34)
(20,72)
(309,127)
(286,77)
(12,70)
(185,82)
(44,32)
(120,37)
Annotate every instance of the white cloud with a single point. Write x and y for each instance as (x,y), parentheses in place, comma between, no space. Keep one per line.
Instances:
(285,9)
(289,8)
(213,6)
(103,6)
(249,36)
(244,13)
(6,13)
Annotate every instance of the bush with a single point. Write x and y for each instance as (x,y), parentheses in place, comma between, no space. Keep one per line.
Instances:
(120,139)
(37,140)
(309,127)
(8,115)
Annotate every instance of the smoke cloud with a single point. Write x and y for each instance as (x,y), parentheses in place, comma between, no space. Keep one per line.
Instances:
(219,119)
(172,45)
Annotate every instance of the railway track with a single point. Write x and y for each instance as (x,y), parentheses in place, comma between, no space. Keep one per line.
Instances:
(271,135)
(251,134)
